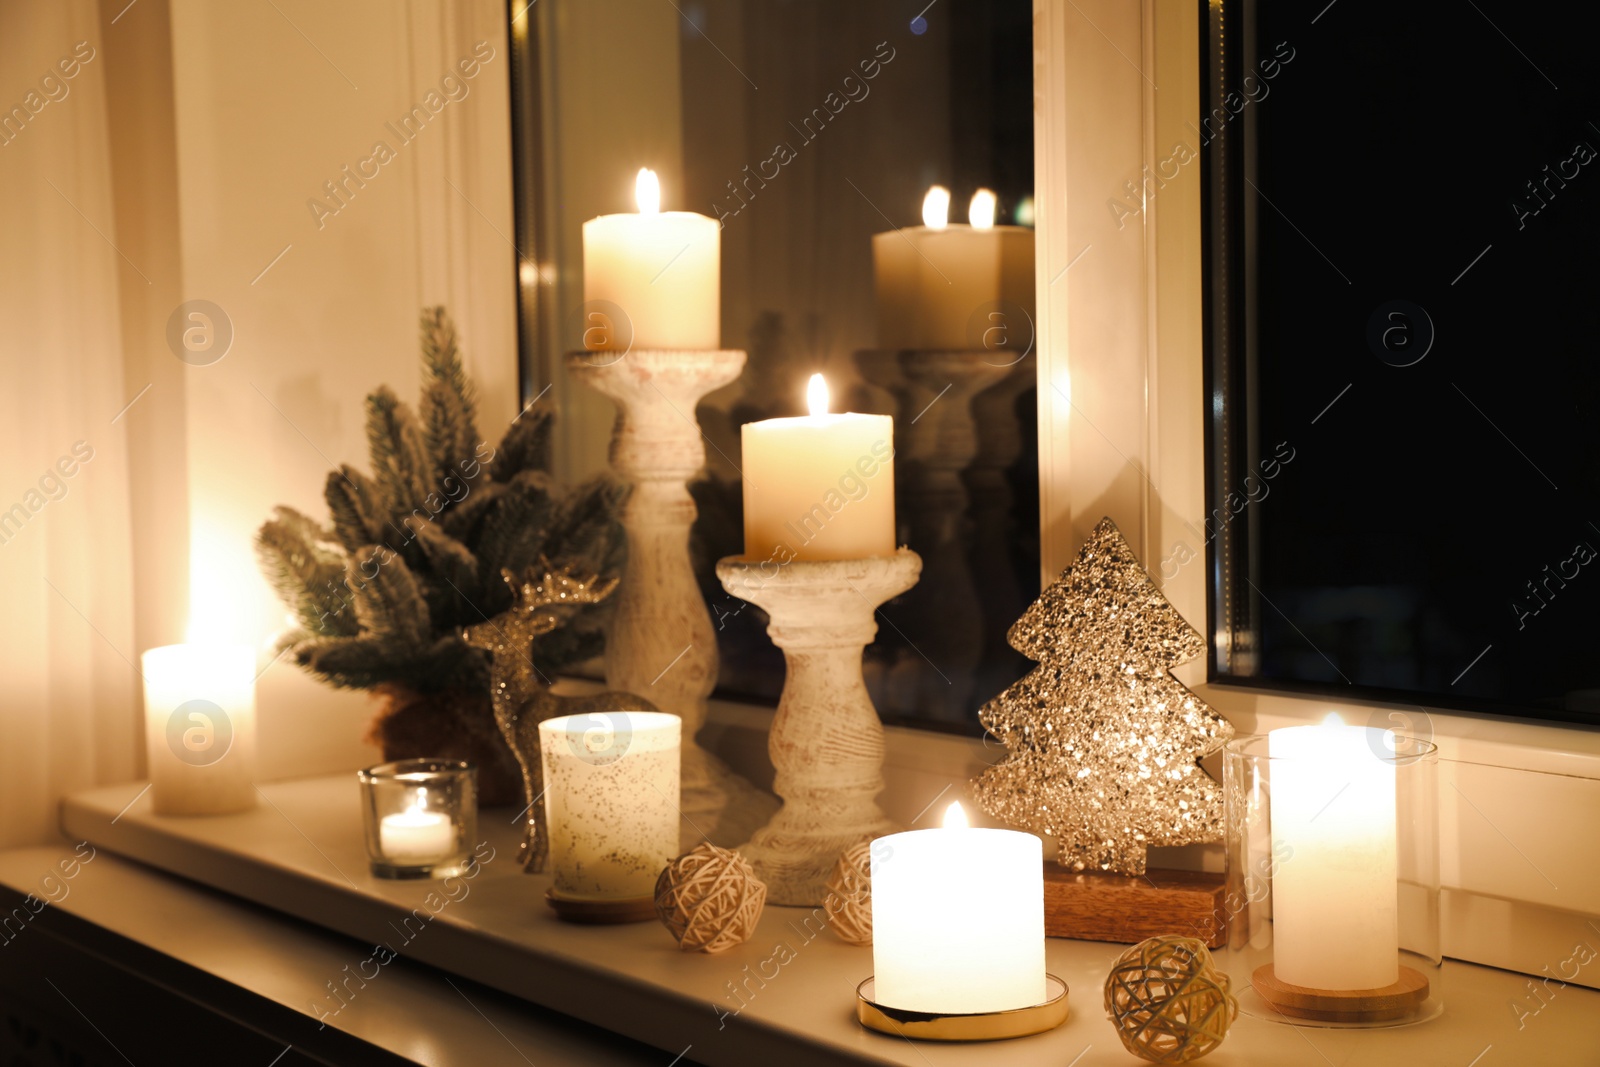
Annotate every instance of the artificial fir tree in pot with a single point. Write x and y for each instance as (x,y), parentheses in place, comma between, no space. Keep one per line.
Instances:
(416,551)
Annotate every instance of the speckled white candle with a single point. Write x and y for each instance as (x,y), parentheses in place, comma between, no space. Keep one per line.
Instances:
(611,801)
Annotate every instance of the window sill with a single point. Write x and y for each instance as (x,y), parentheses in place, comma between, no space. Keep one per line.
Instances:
(301,852)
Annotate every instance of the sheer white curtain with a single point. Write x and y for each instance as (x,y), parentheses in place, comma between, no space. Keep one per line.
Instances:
(67,681)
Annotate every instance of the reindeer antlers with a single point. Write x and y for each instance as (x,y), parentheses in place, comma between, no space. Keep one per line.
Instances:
(554,587)
(537,598)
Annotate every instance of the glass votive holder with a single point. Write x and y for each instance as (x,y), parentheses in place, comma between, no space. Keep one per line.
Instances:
(611,811)
(1332,837)
(421,817)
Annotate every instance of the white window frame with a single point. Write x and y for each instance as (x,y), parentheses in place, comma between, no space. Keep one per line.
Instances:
(1121,416)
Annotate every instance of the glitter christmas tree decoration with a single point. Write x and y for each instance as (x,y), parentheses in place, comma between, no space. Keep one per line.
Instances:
(1104,743)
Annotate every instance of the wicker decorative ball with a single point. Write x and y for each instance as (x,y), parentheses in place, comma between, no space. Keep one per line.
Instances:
(849,900)
(710,899)
(1169,1002)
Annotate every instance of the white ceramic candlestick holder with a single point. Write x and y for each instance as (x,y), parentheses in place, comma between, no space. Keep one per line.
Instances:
(661,644)
(826,742)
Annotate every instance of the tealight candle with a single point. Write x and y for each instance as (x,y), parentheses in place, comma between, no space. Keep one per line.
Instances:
(417,835)
(200,728)
(952,287)
(661,268)
(819,486)
(1334,899)
(958,919)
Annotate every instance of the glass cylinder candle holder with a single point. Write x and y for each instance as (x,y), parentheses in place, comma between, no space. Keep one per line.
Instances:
(1332,901)
(421,817)
(611,810)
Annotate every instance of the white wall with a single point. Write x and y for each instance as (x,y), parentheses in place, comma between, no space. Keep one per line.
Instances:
(268,102)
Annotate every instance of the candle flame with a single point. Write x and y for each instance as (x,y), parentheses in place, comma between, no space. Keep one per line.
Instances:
(980,213)
(817,395)
(647,190)
(955,817)
(1332,719)
(936,208)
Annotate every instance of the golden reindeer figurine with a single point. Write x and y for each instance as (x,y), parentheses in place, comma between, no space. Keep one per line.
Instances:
(521,695)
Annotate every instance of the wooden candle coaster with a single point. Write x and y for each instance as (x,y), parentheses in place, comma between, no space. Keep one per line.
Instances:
(1095,906)
(1343,1005)
(601,912)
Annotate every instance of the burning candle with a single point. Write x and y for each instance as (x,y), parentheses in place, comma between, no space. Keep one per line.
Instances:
(651,279)
(947,287)
(1334,898)
(200,728)
(958,919)
(819,486)
(417,835)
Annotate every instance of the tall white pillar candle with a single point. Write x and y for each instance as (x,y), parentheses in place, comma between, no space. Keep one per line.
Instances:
(200,728)
(662,269)
(940,286)
(611,801)
(1334,896)
(819,486)
(958,919)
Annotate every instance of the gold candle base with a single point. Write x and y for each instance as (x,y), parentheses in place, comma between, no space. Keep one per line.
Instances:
(975,1026)
(601,912)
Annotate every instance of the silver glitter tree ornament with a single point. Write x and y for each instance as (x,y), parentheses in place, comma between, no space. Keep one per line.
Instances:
(1104,743)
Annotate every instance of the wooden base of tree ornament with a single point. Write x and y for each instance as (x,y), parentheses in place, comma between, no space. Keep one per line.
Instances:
(1095,906)
(1394,1001)
(660,643)
(826,741)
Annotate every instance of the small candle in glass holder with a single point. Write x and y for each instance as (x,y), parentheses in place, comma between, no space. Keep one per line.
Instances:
(420,817)
(611,801)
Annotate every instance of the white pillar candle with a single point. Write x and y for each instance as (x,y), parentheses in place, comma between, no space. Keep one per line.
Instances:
(939,286)
(818,486)
(611,801)
(958,919)
(661,268)
(1334,910)
(200,728)
(417,835)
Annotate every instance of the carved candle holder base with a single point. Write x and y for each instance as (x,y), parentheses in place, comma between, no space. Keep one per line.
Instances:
(826,742)
(661,644)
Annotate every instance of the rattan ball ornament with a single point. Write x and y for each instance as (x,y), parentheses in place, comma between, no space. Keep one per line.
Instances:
(849,900)
(1169,1002)
(710,899)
